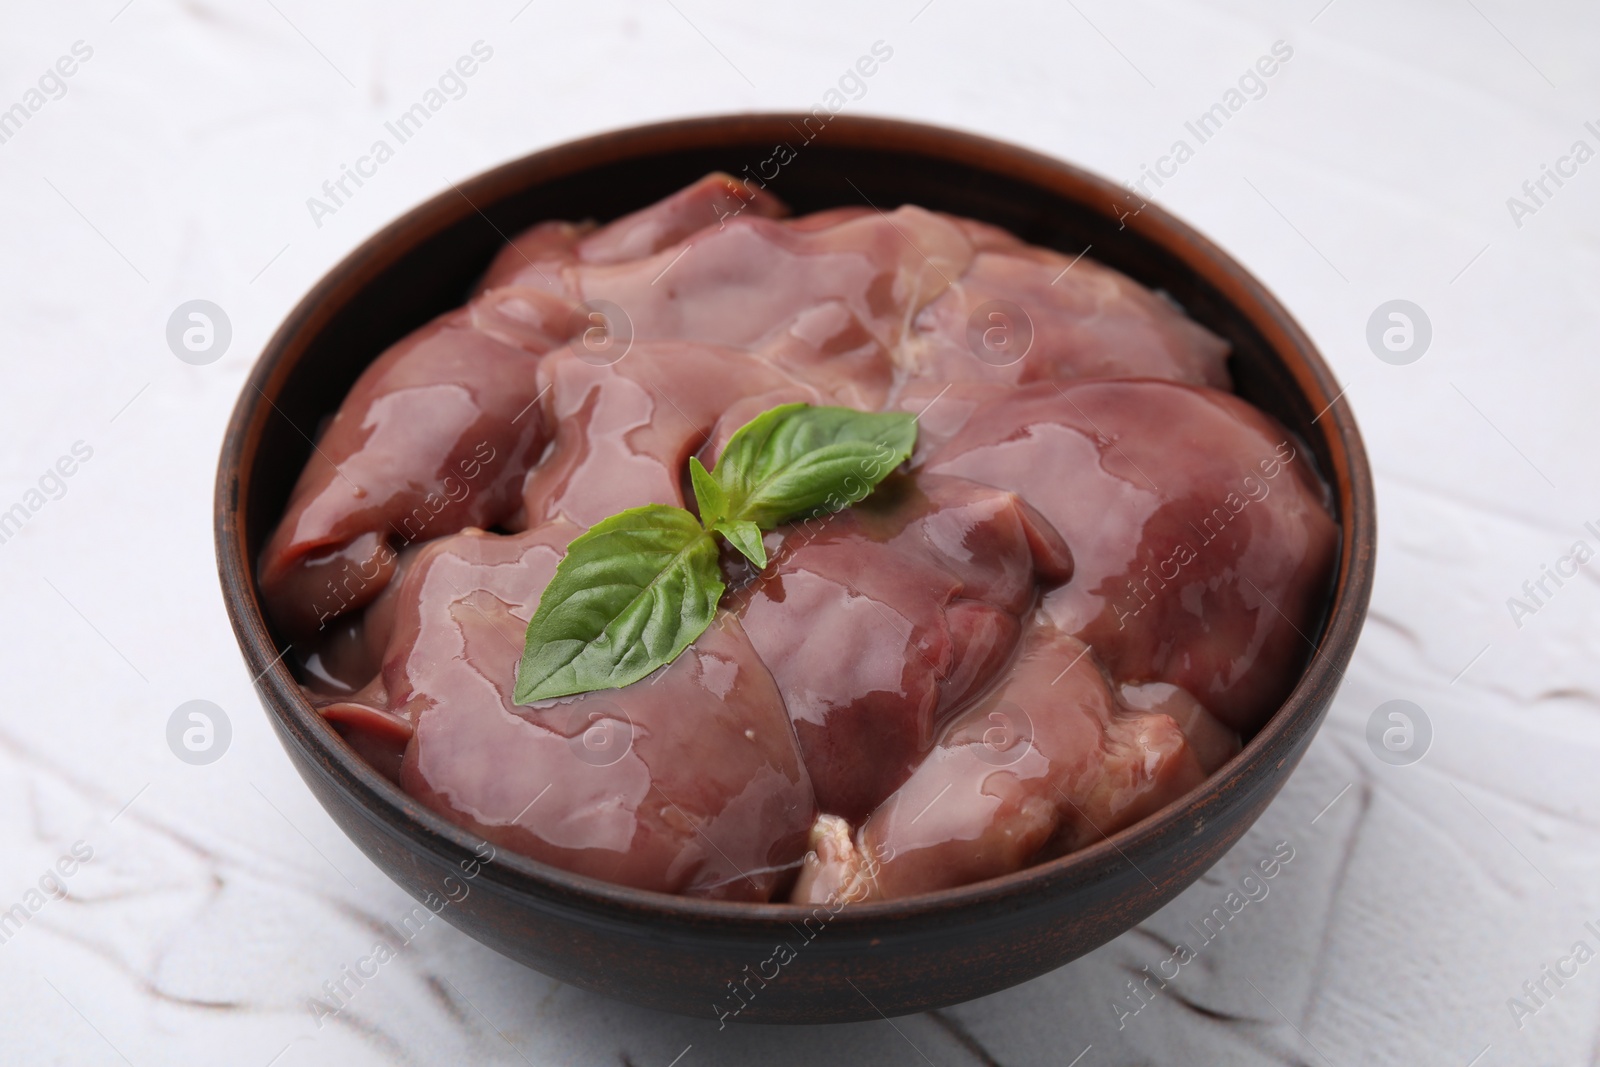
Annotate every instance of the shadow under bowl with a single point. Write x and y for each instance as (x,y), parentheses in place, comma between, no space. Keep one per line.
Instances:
(679,954)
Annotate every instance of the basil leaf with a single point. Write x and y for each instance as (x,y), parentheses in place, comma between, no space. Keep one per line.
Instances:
(629,596)
(707,493)
(635,590)
(796,460)
(746,537)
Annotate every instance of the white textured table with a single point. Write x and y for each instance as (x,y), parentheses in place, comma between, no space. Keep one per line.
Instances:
(175,162)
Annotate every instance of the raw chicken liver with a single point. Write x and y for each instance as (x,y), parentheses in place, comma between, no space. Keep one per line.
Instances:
(1048,761)
(879,620)
(1200,538)
(687,782)
(1097,572)
(434,436)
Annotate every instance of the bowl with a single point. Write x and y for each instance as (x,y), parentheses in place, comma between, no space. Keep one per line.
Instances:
(695,956)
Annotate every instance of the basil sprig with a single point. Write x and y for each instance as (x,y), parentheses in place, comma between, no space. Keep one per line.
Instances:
(635,590)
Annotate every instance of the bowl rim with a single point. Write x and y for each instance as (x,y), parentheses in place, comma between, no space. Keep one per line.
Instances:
(381,800)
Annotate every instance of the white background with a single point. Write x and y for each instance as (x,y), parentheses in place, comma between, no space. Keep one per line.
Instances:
(1376,166)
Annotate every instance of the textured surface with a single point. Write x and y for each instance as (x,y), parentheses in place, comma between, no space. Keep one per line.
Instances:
(1376,165)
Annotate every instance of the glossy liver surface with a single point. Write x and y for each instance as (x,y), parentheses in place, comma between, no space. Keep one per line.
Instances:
(1092,581)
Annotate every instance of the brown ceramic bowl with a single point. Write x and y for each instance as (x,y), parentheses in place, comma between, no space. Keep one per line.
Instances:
(679,954)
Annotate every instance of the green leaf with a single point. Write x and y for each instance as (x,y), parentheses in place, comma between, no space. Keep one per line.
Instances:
(707,493)
(746,537)
(796,460)
(629,596)
(637,589)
